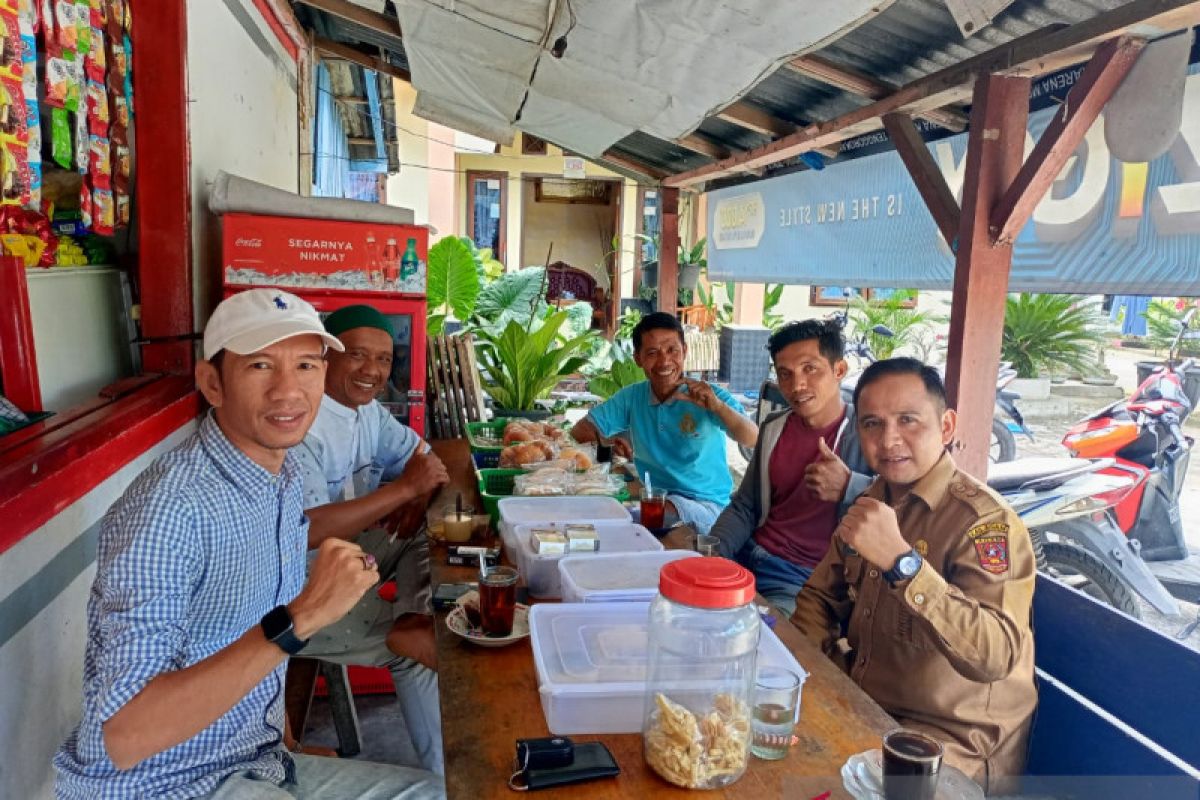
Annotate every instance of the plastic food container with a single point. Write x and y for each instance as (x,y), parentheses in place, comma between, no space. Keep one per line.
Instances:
(546,510)
(541,571)
(614,577)
(591,661)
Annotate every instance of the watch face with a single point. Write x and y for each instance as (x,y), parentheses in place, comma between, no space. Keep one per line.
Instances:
(909,565)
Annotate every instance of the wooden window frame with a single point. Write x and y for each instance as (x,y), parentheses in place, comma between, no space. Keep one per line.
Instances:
(532,145)
(472,176)
(815,298)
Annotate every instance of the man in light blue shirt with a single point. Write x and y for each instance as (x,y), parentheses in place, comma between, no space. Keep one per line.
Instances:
(200,592)
(677,426)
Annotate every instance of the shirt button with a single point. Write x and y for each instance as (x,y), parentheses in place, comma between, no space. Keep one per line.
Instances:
(919,599)
(862,662)
(866,612)
(874,573)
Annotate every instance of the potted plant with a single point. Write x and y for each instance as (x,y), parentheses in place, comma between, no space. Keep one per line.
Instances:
(519,366)
(906,324)
(691,263)
(1047,333)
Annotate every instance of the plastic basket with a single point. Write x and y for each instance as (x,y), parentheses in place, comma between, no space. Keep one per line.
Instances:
(495,484)
(481,434)
(486,459)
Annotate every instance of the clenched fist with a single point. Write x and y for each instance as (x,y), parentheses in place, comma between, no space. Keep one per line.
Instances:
(341,574)
(870,527)
(827,477)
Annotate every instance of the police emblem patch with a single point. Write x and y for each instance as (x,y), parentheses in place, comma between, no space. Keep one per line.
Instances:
(991,546)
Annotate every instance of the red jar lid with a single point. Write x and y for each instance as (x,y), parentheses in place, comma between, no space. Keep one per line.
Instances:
(706,583)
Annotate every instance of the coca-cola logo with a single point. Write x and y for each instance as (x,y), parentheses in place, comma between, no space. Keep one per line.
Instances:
(242,242)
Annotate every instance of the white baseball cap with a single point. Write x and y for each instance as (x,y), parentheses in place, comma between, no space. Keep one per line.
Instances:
(255,319)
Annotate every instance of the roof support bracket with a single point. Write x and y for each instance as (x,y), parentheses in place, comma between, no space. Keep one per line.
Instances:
(1101,77)
(925,174)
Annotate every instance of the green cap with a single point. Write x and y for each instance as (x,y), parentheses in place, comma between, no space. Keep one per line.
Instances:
(360,316)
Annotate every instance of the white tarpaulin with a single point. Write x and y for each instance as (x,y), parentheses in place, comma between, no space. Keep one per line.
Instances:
(658,66)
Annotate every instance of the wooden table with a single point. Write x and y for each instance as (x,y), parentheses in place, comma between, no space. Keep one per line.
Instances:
(489,699)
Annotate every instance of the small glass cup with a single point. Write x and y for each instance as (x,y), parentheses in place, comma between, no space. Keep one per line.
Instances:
(654,508)
(457,525)
(911,763)
(776,698)
(708,545)
(498,600)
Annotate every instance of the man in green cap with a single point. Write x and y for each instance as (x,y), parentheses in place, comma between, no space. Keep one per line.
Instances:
(362,466)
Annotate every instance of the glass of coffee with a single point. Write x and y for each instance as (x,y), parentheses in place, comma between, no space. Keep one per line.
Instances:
(654,508)
(911,763)
(498,600)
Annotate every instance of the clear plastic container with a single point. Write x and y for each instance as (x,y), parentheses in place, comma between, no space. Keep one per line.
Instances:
(703,647)
(541,570)
(608,577)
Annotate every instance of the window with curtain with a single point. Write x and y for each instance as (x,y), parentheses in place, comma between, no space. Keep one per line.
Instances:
(486,210)
(331,158)
(649,223)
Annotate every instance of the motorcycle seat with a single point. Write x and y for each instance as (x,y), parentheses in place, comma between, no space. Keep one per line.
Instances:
(1045,472)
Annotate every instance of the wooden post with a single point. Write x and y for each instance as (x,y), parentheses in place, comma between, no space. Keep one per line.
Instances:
(748,303)
(999,113)
(668,251)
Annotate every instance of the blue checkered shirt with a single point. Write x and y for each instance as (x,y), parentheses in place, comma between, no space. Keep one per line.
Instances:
(194,553)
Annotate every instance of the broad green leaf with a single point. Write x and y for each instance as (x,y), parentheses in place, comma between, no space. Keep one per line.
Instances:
(452,281)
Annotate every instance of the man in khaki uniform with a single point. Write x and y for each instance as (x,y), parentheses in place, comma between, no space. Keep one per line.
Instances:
(930,579)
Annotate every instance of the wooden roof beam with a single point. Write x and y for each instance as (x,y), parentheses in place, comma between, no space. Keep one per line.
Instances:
(350,12)
(1100,78)
(1036,54)
(700,144)
(347,53)
(753,118)
(633,165)
(931,184)
(863,85)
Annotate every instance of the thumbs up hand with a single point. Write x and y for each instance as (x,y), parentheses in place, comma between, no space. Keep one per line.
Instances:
(827,477)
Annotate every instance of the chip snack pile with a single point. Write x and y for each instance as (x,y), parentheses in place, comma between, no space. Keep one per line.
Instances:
(700,753)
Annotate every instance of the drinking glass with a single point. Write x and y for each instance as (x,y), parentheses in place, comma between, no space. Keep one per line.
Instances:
(498,600)
(776,696)
(707,545)
(654,508)
(911,762)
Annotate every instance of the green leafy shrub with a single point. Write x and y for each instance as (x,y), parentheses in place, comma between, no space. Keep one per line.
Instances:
(1044,332)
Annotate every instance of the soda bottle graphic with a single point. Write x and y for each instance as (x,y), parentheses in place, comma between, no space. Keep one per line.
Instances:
(391,264)
(373,269)
(410,265)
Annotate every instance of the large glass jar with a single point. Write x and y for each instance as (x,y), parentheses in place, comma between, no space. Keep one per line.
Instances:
(703,644)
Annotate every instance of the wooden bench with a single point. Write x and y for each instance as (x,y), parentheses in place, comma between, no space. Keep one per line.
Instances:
(1117,704)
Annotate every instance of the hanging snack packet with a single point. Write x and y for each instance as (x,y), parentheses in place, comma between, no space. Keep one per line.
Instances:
(123,208)
(85,205)
(82,146)
(59,77)
(104,212)
(14,174)
(35,186)
(13,125)
(34,128)
(12,64)
(100,162)
(120,110)
(83,27)
(95,66)
(122,165)
(99,13)
(60,137)
(97,108)
(66,29)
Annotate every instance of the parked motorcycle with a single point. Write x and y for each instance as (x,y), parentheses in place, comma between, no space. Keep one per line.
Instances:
(1064,503)
(1142,435)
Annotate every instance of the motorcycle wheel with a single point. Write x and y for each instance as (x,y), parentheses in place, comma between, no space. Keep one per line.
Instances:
(1004,444)
(1081,570)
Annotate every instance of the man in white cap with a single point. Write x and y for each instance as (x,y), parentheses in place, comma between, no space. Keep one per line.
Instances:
(199,596)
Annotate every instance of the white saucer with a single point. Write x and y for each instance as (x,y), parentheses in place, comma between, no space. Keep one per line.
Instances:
(456,621)
(862,775)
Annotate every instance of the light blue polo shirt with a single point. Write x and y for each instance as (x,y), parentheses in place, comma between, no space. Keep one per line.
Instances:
(680,444)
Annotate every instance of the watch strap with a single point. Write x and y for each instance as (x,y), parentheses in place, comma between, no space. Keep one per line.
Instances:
(894,575)
(277,627)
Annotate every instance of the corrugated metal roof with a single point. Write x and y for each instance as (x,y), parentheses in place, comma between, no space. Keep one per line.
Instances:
(907,41)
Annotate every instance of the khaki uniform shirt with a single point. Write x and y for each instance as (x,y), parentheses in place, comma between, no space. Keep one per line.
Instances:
(951,651)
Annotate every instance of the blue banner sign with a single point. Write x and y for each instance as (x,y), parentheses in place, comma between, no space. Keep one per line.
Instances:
(1105,227)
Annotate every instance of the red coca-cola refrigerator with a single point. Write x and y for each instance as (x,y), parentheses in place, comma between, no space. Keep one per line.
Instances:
(333,264)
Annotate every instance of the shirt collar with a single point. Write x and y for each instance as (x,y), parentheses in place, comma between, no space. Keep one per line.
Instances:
(331,406)
(239,468)
(931,488)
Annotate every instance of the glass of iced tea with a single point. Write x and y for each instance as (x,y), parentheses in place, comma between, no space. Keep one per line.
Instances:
(911,763)
(654,508)
(498,600)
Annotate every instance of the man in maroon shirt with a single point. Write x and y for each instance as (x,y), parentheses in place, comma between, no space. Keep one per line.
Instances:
(807,464)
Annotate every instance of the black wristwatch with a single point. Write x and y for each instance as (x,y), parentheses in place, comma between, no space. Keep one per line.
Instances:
(277,627)
(906,568)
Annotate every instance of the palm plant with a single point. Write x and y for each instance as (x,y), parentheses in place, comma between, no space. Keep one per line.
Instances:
(906,324)
(1043,331)
(1162,323)
(520,367)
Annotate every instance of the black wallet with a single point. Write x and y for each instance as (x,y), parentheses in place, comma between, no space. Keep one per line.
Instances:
(592,761)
